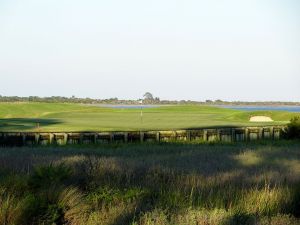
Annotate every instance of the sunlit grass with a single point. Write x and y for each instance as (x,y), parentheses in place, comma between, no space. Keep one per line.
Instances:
(78,117)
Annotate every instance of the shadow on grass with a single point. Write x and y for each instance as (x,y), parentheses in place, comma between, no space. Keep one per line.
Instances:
(24,124)
(240,218)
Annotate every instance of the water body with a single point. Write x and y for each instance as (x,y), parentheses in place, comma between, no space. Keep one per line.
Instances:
(241,107)
(264,108)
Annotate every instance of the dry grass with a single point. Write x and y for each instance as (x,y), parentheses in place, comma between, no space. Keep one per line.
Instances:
(143,184)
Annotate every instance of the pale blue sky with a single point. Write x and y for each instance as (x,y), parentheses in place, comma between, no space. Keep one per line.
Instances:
(190,49)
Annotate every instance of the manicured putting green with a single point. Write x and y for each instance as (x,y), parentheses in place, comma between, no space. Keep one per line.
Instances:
(77,117)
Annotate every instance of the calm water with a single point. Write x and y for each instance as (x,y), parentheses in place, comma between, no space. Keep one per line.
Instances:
(265,108)
(244,108)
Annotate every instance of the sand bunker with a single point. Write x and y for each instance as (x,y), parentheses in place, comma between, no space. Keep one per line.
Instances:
(260,119)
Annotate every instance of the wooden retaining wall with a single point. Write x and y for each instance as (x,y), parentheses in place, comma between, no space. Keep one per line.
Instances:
(217,134)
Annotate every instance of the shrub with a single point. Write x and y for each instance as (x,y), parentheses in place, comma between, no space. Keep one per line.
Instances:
(13,210)
(14,183)
(293,129)
(63,205)
(9,209)
(45,176)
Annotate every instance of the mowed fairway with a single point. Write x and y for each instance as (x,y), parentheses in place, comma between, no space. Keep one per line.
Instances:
(78,117)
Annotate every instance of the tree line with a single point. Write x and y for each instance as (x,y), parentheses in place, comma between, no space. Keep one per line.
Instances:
(148,98)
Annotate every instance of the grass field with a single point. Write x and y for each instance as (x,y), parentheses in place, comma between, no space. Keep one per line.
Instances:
(151,184)
(76,117)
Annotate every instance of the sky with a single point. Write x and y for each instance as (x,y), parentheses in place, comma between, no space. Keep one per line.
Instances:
(246,50)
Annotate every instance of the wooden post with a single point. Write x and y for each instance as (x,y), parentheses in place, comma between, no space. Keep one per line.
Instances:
(111,137)
(271,133)
(157,136)
(188,135)
(141,136)
(50,138)
(95,138)
(204,135)
(246,133)
(126,137)
(233,137)
(277,134)
(174,136)
(280,132)
(260,133)
(36,138)
(65,140)
(218,135)
(23,139)
(4,139)
(80,138)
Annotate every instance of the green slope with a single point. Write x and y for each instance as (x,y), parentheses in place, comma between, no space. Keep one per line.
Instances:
(76,117)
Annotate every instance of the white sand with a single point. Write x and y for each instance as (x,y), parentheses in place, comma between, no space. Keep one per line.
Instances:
(261,119)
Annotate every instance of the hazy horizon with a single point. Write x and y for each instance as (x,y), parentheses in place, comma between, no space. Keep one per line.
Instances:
(192,50)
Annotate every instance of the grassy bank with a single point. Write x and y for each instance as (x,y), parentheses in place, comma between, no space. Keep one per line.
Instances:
(145,184)
(75,117)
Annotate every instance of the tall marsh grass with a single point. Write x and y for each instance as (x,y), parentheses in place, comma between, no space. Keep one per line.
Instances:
(143,184)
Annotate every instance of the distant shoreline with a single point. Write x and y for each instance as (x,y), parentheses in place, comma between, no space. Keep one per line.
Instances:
(288,108)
